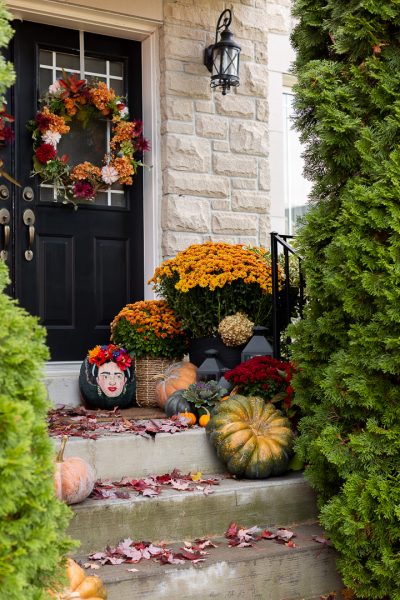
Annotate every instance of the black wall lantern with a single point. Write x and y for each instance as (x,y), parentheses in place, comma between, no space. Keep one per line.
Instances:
(222,58)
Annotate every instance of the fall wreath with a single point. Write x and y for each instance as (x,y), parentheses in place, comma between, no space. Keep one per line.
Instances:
(70,98)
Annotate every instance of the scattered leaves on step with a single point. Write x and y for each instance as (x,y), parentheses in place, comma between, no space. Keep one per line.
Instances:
(243,538)
(128,551)
(80,422)
(153,485)
(330,596)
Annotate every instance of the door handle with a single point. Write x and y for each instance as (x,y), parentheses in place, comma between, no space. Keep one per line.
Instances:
(4,220)
(28,218)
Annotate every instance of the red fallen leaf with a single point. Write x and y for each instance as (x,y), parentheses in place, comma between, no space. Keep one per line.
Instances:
(163,479)
(179,484)
(122,495)
(112,560)
(321,540)
(246,535)
(290,544)
(168,558)
(244,545)
(232,531)
(202,543)
(150,492)
(189,555)
(268,535)
(284,534)
(97,555)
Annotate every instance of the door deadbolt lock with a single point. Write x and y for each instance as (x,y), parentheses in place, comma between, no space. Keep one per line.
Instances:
(27,194)
(4,193)
(28,217)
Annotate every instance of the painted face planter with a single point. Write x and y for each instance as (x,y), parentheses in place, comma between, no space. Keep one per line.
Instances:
(106,379)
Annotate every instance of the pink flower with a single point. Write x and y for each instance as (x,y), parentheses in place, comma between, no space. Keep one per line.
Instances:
(51,137)
(55,88)
(109,175)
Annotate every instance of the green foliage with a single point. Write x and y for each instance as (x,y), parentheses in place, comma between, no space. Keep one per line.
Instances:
(32,521)
(347,346)
(7,75)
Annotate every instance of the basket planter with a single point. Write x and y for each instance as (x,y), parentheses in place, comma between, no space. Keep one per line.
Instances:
(148,371)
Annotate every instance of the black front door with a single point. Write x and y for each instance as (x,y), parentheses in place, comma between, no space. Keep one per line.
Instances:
(75,269)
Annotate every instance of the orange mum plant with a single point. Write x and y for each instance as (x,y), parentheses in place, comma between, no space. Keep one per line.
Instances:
(149,328)
(206,282)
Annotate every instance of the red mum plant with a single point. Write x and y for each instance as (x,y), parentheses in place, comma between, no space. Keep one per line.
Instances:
(266,377)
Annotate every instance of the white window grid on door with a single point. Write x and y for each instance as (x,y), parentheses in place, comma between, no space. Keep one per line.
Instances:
(83,74)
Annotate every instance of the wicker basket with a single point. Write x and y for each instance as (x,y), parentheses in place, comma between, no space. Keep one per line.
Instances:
(148,371)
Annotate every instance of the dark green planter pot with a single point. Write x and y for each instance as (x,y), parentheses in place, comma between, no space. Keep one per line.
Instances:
(106,387)
(230,357)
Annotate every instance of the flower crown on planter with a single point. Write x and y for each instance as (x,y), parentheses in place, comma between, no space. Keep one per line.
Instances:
(69,97)
(149,328)
(111,353)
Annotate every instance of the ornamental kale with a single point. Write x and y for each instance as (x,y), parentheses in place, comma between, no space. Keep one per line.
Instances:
(265,377)
(204,393)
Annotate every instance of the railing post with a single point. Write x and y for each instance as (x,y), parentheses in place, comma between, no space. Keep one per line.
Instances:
(275,296)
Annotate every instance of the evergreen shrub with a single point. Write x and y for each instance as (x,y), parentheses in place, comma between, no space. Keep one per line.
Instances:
(348,345)
(32,521)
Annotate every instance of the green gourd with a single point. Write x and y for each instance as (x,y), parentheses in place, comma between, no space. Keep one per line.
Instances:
(251,437)
(177,404)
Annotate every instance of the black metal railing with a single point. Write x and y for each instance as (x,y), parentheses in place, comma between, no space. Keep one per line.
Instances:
(288,299)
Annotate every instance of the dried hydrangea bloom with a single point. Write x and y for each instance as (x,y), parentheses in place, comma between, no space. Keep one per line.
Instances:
(235,329)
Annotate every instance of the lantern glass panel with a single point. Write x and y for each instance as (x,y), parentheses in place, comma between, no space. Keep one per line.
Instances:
(217,62)
(229,61)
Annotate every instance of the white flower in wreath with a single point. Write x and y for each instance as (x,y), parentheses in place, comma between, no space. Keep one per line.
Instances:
(109,174)
(55,88)
(124,112)
(51,137)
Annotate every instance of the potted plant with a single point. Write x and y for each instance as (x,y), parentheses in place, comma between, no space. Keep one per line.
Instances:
(207,282)
(149,330)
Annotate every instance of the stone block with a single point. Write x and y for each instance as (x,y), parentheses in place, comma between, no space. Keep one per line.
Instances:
(184,84)
(204,107)
(279,17)
(187,153)
(245,201)
(211,126)
(173,242)
(247,49)
(219,146)
(234,105)
(262,110)
(261,53)
(184,214)
(175,12)
(197,69)
(210,186)
(183,49)
(254,80)
(250,23)
(180,109)
(220,204)
(182,31)
(249,137)
(228,239)
(263,174)
(233,165)
(265,231)
(234,223)
(182,127)
(169,64)
(243,184)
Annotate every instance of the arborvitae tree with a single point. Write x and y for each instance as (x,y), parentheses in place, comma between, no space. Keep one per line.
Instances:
(32,521)
(348,345)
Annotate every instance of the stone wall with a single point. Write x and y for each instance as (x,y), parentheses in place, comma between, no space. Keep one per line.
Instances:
(215,167)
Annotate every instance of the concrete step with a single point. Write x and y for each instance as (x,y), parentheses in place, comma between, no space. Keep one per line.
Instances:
(266,571)
(61,379)
(117,455)
(176,515)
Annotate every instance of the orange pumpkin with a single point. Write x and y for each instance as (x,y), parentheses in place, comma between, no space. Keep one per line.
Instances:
(177,377)
(80,587)
(191,417)
(204,418)
(74,477)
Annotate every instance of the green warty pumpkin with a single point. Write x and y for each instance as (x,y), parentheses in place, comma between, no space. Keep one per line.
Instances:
(251,437)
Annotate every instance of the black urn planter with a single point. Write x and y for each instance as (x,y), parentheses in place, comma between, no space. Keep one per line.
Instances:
(229,356)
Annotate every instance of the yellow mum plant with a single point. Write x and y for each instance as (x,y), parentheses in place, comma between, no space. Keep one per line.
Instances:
(206,282)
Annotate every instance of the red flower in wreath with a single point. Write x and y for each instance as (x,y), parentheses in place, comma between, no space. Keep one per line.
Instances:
(45,152)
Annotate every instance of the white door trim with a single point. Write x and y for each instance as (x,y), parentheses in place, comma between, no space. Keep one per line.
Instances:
(63,14)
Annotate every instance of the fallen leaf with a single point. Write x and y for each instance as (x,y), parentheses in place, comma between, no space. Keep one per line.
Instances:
(91,566)
(196,476)
(132,570)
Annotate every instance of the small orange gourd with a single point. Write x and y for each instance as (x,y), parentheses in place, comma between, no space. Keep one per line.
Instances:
(190,416)
(177,377)
(80,587)
(204,419)
(74,477)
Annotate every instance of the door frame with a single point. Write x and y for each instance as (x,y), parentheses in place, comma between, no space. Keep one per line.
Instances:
(145,30)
